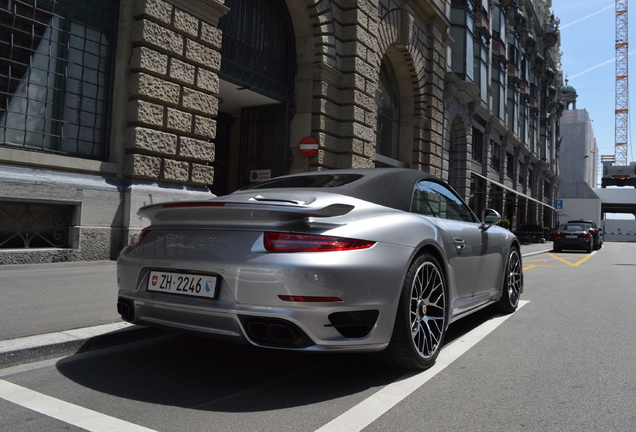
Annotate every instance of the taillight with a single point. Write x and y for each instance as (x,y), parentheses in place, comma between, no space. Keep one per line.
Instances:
(557,235)
(586,236)
(139,237)
(284,242)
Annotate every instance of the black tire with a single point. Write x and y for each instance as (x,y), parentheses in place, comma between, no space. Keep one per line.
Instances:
(557,249)
(422,317)
(512,283)
(590,248)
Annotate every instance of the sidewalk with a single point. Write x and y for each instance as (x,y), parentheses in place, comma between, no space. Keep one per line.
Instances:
(58,309)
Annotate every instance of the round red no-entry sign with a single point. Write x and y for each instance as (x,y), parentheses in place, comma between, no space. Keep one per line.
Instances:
(308,146)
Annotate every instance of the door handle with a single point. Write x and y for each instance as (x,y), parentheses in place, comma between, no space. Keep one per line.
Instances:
(459,242)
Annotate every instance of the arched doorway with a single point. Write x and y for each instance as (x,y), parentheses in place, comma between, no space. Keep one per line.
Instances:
(395,111)
(256,94)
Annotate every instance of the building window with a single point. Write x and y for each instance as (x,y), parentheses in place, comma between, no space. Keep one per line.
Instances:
(56,61)
(388,123)
(513,51)
(523,121)
(463,30)
(543,141)
(478,145)
(532,132)
(498,24)
(481,67)
(530,182)
(35,225)
(547,190)
(496,158)
(499,90)
(521,174)
(523,68)
(513,97)
(510,165)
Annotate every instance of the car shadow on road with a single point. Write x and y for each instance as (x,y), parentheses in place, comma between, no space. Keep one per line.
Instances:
(200,373)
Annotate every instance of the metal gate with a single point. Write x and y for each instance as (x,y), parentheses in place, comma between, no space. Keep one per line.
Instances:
(258,49)
(26,225)
(264,142)
(258,53)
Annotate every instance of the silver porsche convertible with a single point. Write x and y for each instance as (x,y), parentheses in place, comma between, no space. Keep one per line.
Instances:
(377,260)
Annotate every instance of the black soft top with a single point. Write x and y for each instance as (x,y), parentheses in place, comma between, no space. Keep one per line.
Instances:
(390,187)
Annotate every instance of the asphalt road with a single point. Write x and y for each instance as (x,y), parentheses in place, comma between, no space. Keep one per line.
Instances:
(563,362)
(41,298)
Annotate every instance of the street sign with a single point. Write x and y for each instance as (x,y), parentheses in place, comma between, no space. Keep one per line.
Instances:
(558,204)
(260,175)
(309,146)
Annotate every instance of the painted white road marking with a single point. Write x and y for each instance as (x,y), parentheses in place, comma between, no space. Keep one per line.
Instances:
(67,412)
(372,408)
(356,419)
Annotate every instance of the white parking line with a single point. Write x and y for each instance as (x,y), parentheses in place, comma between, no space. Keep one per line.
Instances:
(356,419)
(366,412)
(67,412)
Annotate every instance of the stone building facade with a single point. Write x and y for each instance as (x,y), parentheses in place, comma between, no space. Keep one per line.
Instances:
(155,100)
(502,119)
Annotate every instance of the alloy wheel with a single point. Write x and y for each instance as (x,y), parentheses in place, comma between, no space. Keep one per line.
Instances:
(514,278)
(428,309)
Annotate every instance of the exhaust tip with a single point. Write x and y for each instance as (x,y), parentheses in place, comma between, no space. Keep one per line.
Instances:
(126,309)
(275,332)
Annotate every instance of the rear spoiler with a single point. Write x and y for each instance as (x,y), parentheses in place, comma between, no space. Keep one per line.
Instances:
(232,213)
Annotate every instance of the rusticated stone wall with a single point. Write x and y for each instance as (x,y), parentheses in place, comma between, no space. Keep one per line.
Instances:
(172,86)
(346,82)
(351,38)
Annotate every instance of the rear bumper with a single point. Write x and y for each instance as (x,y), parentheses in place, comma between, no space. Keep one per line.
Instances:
(273,329)
(574,244)
(248,308)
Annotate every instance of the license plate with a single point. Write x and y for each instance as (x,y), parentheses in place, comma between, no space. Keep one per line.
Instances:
(182,283)
(571,236)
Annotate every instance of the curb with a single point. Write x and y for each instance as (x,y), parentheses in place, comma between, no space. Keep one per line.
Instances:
(31,349)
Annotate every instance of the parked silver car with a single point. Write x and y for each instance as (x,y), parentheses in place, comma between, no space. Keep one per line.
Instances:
(374,260)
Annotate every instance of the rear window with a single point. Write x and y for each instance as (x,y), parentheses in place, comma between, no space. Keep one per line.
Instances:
(570,227)
(307,181)
(584,223)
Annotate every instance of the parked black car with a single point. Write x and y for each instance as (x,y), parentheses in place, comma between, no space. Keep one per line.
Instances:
(594,231)
(573,236)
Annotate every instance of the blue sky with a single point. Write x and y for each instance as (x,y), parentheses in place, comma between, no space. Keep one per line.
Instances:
(588,45)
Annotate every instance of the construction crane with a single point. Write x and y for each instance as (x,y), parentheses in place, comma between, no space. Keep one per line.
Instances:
(616,168)
(622,85)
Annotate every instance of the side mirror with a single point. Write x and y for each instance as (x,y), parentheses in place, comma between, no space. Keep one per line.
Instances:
(490,217)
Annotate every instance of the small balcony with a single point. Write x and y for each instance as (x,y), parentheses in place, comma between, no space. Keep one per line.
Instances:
(550,35)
